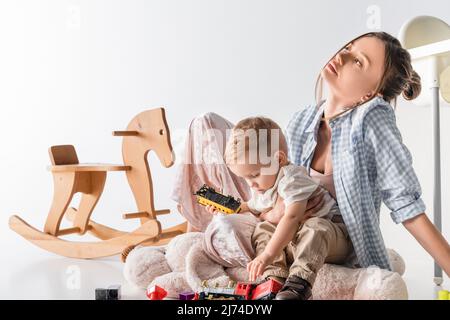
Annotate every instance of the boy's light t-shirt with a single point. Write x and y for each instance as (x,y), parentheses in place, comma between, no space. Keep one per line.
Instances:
(293,184)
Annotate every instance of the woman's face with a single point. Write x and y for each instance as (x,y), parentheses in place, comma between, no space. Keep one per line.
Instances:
(354,73)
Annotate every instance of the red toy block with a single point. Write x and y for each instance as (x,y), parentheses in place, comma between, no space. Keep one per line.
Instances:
(244,289)
(266,290)
(156,293)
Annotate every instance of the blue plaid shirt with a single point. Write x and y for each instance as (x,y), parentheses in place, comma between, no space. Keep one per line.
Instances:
(370,164)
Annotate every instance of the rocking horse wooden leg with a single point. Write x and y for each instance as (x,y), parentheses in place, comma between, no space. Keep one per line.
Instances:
(95,183)
(64,189)
(162,239)
(139,180)
(167,235)
(96,229)
(104,233)
(84,250)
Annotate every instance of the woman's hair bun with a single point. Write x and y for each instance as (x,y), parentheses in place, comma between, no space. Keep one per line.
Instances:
(412,87)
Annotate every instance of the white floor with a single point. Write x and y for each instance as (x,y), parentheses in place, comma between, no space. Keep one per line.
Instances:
(31,273)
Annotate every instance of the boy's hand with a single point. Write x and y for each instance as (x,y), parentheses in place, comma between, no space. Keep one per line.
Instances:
(256,267)
(212,210)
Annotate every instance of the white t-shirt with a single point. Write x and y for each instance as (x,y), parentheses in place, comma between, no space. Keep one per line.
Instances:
(293,184)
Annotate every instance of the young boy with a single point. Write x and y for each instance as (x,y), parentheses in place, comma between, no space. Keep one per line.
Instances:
(257,151)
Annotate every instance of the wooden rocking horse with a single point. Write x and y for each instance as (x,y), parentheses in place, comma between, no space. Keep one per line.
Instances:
(147,131)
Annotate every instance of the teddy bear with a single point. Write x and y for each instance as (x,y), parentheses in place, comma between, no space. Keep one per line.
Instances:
(183,264)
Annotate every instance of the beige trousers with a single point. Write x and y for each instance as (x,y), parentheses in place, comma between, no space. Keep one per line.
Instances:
(317,241)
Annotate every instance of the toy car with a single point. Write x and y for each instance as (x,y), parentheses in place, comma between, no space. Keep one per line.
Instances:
(208,196)
(266,290)
(242,291)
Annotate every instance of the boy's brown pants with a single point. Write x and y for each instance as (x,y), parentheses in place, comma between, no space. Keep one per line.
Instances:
(316,242)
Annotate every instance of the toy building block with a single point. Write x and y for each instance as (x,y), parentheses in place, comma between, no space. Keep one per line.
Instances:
(101,294)
(443,295)
(208,196)
(110,293)
(244,289)
(187,296)
(147,131)
(156,293)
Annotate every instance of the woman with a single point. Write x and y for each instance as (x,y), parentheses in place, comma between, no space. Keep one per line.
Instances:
(350,143)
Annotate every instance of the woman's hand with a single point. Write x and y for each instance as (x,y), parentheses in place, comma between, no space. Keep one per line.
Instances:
(314,204)
(274,215)
(257,266)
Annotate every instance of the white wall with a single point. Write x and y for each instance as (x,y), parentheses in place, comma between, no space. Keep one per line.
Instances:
(73,71)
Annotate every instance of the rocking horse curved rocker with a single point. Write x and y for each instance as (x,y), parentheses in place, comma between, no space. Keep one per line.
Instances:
(147,131)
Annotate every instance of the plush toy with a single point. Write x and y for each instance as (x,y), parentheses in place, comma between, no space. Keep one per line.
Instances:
(183,264)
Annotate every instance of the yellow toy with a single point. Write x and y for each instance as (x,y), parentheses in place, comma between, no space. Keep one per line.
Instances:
(443,295)
(226,204)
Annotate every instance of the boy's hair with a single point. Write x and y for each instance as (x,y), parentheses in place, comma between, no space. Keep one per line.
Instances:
(251,140)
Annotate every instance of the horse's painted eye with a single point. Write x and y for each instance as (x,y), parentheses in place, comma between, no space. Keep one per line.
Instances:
(161,131)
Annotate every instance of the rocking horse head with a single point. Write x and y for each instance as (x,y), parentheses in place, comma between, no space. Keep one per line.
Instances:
(153,132)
